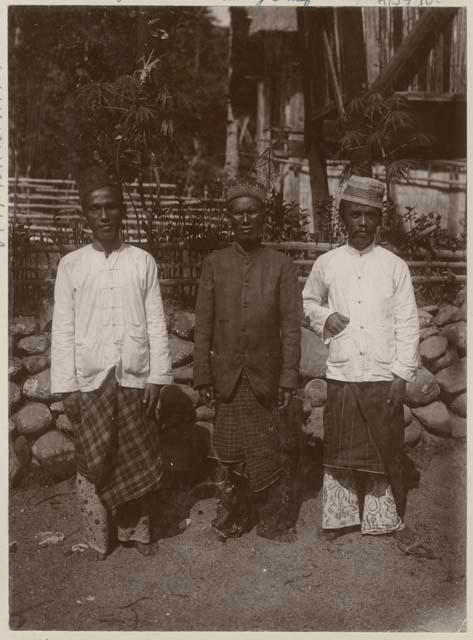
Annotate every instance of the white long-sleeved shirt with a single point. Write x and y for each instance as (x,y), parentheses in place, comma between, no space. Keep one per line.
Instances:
(108,314)
(373,289)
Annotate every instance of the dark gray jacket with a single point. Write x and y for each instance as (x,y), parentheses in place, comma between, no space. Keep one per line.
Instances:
(248,314)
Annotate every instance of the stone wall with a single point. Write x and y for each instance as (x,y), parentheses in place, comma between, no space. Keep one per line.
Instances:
(436,402)
(40,433)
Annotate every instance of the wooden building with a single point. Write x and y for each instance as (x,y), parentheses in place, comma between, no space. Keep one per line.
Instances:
(295,71)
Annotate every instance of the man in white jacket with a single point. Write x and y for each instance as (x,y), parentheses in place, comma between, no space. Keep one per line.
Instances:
(359,299)
(109,359)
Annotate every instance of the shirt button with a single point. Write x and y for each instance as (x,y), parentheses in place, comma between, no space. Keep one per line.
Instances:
(362,353)
(361,327)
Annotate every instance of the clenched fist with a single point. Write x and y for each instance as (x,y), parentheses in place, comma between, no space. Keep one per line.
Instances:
(335,323)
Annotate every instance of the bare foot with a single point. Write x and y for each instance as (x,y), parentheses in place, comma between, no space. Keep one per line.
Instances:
(285,537)
(149,549)
(288,537)
(410,543)
(334,534)
(92,555)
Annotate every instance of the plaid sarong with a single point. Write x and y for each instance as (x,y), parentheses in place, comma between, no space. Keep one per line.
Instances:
(247,432)
(117,448)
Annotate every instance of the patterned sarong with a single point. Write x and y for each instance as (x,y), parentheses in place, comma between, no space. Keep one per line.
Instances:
(341,503)
(360,434)
(247,432)
(117,448)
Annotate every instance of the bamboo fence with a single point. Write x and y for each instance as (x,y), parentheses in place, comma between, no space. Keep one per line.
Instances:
(46,223)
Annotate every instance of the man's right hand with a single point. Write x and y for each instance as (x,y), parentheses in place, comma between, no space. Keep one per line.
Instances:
(207,395)
(71,403)
(335,323)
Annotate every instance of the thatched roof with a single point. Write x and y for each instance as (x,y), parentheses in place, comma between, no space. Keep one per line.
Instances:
(272,19)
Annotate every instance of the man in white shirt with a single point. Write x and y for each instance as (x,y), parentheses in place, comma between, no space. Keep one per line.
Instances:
(109,359)
(359,299)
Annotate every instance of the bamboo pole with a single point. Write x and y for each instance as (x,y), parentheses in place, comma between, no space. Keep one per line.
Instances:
(333,76)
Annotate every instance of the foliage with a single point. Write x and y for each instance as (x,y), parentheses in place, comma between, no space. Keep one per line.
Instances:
(284,221)
(420,237)
(331,226)
(77,88)
(382,130)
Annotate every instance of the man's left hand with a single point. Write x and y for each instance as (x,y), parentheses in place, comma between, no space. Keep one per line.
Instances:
(150,398)
(284,397)
(397,393)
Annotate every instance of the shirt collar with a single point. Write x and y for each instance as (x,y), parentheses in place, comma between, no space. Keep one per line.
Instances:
(118,249)
(239,249)
(354,251)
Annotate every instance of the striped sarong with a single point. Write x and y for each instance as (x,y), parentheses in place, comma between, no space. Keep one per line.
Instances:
(117,447)
(247,432)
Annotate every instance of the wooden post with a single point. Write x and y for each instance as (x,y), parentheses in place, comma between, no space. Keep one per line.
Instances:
(404,64)
(232,158)
(312,62)
(263,135)
(333,76)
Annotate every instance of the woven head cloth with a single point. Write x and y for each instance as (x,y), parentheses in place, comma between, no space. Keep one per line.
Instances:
(245,190)
(367,191)
(95,177)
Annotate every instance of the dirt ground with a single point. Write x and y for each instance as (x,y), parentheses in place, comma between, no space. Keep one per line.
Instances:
(197,583)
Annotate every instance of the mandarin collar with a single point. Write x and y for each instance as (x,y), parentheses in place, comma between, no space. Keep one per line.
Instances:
(247,254)
(356,252)
(120,247)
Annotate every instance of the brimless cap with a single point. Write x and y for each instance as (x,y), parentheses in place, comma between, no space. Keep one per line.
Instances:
(96,177)
(361,190)
(245,190)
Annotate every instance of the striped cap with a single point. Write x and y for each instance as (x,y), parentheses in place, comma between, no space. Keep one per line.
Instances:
(361,190)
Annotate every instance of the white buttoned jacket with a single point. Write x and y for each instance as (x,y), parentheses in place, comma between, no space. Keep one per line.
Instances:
(374,289)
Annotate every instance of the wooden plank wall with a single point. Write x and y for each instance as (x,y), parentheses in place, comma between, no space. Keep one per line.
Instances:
(445,70)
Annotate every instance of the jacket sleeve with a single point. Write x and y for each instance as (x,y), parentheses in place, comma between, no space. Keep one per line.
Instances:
(63,363)
(313,296)
(406,324)
(204,325)
(159,356)
(290,312)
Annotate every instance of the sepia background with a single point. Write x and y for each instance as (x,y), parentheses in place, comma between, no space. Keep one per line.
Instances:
(179,100)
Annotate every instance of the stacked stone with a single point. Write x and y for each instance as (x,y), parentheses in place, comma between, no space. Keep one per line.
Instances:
(438,398)
(436,402)
(40,433)
(181,329)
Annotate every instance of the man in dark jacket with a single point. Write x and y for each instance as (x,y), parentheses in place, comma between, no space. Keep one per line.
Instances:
(247,352)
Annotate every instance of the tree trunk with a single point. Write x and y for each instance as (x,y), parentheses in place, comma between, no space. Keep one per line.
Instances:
(232,156)
(313,128)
